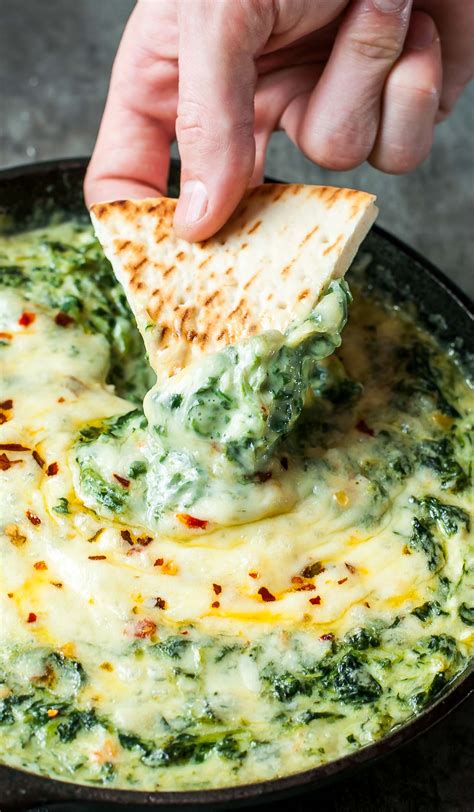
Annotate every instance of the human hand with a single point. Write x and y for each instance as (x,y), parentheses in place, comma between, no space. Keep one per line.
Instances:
(348,82)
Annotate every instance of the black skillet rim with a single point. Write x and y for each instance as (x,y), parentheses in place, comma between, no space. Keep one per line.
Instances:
(52,790)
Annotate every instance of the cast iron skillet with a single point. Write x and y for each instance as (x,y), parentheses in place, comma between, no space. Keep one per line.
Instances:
(32,192)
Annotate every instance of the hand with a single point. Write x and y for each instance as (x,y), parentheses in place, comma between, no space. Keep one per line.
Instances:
(348,82)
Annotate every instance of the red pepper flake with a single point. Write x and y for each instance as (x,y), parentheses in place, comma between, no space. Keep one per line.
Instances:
(366,603)
(253,574)
(305,588)
(144,541)
(13,447)
(52,469)
(40,565)
(185,632)
(159,562)
(5,463)
(58,584)
(284,463)
(160,603)
(145,628)
(26,318)
(96,557)
(342,581)
(60,400)
(32,618)
(315,601)
(217,588)
(328,636)
(262,476)
(7,404)
(215,604)
(127,536)
(121,479)
(265,594)
(406,550)
(191,521)
(63,319)
(350,567)
(38,459)
(3,418)
(364,428)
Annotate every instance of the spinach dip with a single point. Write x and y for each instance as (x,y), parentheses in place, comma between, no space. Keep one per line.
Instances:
(194,597)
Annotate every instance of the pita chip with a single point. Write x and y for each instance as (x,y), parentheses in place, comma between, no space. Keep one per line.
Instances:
(264,270)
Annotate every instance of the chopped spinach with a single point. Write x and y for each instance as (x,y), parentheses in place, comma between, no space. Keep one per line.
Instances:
(439,455)
(420,378)
(428,610)
(448,517)
(423,541)
(62,505)
(173,647)
(353,682)
(106,494)
(76,721)
(466,613)
(363,639)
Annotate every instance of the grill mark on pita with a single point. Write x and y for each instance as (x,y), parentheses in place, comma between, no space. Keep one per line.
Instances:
(169,270)
(244,245)
(204,262)
(211,298)
(303,295)
(247,284)
(121,245)
(139,264)
(279,194)
(181,256)
(309,235)
(287,268)
(236,309)
(333,246)
(254,227)
(332,198)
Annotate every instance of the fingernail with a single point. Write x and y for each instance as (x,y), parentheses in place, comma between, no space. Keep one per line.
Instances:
(193,202)
(390,5)
(421,33)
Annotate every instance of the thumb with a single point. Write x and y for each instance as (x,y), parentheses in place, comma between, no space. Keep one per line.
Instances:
(215,123)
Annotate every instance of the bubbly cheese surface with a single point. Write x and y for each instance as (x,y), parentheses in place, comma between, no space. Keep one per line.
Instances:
(134,658)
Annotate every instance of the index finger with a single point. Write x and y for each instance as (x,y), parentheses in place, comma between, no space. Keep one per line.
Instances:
(132,153)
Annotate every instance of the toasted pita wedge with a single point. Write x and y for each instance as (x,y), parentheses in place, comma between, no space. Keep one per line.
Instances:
(264,270)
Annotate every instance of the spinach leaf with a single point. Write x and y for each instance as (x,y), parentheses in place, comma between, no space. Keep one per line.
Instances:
(440,457)
(423,541)
(466,613)
(353,682)
(448,517)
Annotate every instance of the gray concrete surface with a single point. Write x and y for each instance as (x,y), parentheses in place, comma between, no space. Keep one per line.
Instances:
(55,57)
